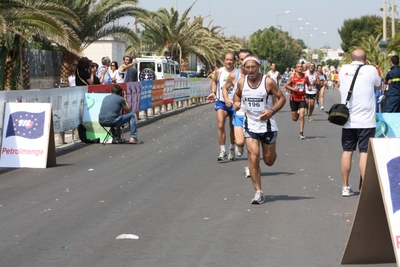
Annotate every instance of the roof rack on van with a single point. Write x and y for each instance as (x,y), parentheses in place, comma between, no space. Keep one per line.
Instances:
(160,57)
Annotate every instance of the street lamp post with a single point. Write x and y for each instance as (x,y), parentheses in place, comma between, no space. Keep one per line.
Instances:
(301,28)
(277,15)
(291,35)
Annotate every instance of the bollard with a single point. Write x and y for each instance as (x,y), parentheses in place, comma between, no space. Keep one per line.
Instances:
(61,138)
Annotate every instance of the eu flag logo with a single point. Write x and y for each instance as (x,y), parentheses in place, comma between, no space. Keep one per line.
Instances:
(26,124)
(393,168)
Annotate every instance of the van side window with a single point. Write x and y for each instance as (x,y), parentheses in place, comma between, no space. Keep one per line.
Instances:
(166,68)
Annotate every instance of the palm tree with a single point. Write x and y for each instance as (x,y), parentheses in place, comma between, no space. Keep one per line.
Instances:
(169,33)
(371,47)
(100,19)
(19,20)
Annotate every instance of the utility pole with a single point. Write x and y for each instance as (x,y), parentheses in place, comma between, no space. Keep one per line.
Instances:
(384,20)
(393,19)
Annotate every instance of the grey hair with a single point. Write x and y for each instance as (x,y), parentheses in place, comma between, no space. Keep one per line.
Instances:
(104,60)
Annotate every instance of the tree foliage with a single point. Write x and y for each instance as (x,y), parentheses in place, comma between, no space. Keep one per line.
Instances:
(19,21)
(276,46)
(168,32)
(353,30)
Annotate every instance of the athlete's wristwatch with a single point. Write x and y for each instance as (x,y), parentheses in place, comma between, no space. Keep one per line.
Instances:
(273,112)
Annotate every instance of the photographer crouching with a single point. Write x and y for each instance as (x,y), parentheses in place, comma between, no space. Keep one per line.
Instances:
(110,114)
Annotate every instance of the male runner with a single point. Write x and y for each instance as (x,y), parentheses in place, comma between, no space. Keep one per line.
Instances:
(297,83)
(237,121)
(256,91)
(222,111)
(311,90)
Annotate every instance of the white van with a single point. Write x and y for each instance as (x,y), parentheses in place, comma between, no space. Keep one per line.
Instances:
(157,67)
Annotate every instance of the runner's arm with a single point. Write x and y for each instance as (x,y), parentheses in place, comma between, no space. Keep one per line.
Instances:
(228,84)
(273,89)
(213,93)
(237,97)
(289,84)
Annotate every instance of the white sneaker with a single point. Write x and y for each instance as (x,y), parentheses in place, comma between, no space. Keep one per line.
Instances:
(322,107)
(258,198)
(231,154)
(222,156)
(239,151)
(301,136)
(347,191)
(247,172)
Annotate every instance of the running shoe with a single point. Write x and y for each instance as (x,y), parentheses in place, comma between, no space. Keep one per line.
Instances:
(231,154)
(301,136)
(310,118)
(222,156)
(247,172)
(239,151)
(322,107)
(258,198)
(347,191)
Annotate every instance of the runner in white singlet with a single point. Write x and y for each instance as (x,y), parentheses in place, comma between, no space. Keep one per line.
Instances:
(237,120)
(257,92)
(222,111)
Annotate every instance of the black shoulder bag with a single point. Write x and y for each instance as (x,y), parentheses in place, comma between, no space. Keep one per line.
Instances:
(339,113)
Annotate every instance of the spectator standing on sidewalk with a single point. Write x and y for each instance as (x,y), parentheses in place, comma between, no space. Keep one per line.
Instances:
(393,79)
(362,122)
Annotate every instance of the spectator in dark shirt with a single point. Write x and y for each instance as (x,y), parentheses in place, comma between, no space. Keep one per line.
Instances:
(110,113)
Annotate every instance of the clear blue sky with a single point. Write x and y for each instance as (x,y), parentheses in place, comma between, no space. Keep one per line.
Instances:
(249,16)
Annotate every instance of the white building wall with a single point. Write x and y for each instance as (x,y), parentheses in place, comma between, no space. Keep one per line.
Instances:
(114,49)
(333,54)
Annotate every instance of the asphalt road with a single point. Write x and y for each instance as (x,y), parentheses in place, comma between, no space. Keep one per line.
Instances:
(186,208)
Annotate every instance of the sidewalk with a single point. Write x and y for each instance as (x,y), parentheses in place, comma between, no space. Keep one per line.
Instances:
(71,137)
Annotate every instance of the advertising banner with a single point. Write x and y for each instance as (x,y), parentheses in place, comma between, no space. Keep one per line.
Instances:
(28,136)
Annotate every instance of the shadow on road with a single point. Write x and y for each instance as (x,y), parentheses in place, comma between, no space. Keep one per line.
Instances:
(277,173)
(283,198)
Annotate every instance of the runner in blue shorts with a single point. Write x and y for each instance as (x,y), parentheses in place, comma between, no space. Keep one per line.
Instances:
(222,110)
(238,116)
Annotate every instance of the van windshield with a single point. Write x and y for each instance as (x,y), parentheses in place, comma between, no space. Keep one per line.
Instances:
(147,65)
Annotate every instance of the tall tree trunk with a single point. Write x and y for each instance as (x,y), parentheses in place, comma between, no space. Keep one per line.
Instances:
(26,73)
(15,64)
(67,61)
(4,51)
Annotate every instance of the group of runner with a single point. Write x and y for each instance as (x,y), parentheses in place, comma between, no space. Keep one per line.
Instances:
(250,100)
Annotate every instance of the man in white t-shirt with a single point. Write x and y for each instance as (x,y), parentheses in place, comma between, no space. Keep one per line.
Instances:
(362,123)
